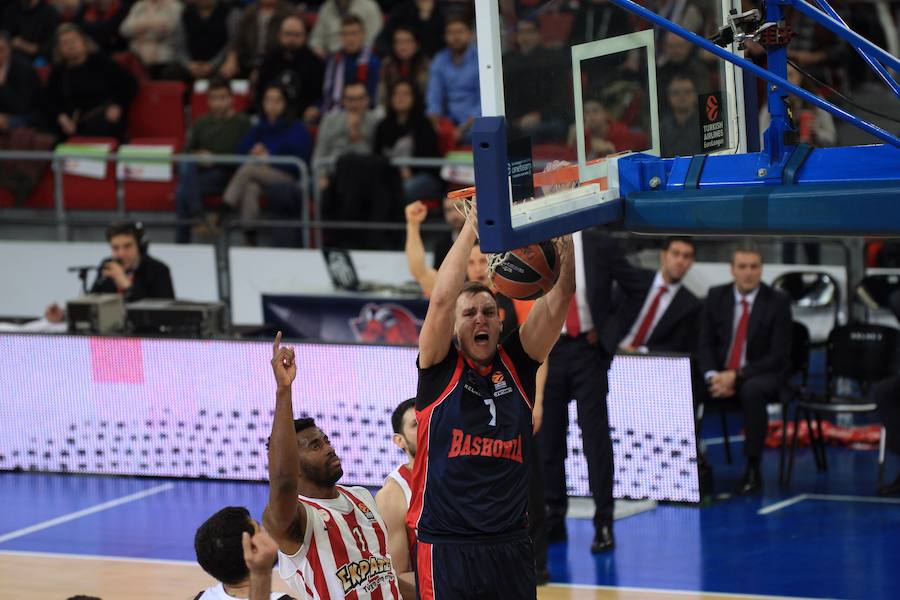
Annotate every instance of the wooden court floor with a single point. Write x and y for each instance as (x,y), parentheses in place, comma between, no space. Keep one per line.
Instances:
(38,576)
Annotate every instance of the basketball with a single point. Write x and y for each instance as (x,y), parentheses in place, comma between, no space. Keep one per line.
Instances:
(527,273)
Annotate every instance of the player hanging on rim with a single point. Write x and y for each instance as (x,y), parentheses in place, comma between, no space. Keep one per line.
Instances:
(394,497)
(473,408)
(332,542)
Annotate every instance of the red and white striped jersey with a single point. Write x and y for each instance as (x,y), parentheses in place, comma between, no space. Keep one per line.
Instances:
(403,477)
(344,551)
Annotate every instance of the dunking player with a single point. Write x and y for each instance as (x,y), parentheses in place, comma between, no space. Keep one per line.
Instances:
(332,542)
(473,408)
(394,497)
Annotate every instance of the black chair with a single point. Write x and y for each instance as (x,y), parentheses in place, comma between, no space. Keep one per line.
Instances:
(813,294)
(794,388)
(879,293)
(809,289)
(861,353)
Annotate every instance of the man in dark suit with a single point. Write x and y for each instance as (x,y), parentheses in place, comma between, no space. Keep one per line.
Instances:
(665,316)
(744,351)
(577,368)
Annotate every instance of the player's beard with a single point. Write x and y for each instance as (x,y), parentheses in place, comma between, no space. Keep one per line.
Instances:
(324,475)
(410,447)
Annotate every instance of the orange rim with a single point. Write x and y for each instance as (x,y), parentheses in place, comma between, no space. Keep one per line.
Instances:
(567,174)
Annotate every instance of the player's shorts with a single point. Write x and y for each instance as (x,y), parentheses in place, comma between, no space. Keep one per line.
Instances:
(476,570)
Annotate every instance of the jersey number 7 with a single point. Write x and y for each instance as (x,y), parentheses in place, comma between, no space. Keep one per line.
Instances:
(493,408)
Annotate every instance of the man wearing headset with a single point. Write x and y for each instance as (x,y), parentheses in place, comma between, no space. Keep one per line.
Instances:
(130,271)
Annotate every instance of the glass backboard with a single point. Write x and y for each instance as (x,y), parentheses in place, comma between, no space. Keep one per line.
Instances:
(581,81)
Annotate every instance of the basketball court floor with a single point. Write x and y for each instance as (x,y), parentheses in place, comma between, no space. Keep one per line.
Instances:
(826,537)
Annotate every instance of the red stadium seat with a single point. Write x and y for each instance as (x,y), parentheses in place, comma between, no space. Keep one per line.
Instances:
(158,112)
(87,193)
(152,195)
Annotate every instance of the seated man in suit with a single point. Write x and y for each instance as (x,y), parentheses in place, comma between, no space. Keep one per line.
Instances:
(664,317)
(744,351)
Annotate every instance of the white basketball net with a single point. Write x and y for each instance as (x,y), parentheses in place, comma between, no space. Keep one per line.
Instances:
(467,208)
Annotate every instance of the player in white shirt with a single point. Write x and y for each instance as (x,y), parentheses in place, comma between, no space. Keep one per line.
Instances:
(240,563)
(332,542)
(394,497)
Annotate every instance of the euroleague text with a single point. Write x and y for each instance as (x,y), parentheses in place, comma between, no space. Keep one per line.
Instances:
(466,444)
(369,572)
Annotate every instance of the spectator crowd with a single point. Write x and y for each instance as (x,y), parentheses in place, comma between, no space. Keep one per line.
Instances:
(347,86)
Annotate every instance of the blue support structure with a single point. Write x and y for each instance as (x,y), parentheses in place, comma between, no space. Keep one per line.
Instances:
(773,140)
(780,190)
(836,191)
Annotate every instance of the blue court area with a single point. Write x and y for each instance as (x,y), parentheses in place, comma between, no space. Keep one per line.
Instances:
(828,536)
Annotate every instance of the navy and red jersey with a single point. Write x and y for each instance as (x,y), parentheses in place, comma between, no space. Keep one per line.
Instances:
(471,476)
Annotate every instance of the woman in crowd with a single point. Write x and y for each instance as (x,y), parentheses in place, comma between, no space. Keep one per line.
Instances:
(407,133)
(278,133)
(406,61)
(87,93)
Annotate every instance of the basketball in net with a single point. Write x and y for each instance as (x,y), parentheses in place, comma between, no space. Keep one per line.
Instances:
(525,273)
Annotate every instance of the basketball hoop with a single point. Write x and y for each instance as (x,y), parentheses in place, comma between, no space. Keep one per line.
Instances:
(559,175)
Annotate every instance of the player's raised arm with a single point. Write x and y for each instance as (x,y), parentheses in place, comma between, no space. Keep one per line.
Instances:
(437,332)
(282,519)
(425,276)
(541,329)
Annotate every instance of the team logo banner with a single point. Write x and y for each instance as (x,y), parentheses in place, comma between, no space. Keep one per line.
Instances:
(351,319)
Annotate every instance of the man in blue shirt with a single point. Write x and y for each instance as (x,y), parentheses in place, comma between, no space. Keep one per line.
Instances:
(453,90)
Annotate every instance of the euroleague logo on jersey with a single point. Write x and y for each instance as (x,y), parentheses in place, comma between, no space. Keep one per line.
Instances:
(500,385)
(386,324)
(364,509)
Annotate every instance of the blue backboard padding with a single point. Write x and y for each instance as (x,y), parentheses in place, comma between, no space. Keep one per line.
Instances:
(862,208)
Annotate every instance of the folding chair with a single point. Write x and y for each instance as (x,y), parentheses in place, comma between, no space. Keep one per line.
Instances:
(815,300)
(861,353)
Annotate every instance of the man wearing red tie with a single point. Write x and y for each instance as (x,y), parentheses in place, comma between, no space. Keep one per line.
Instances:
(577,368)
(744,350)
(665,316)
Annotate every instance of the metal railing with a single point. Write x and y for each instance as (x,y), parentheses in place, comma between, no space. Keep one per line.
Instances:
(57,160)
